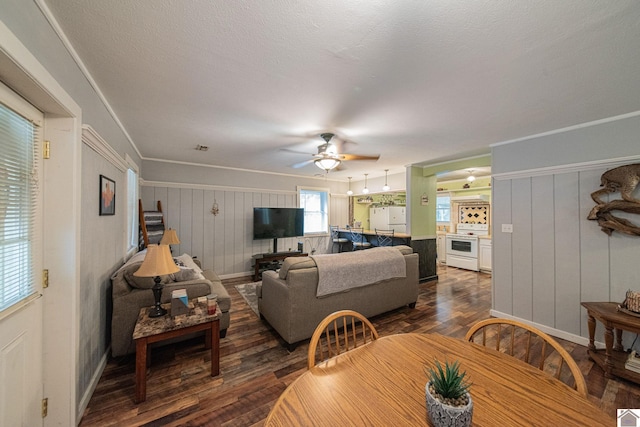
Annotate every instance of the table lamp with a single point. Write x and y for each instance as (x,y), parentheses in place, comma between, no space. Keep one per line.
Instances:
(157,262)
(170,238)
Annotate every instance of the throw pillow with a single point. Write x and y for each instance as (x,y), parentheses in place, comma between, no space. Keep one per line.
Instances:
(142,282)
(187,261)
(185,274)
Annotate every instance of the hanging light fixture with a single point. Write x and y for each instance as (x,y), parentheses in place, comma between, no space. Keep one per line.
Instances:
(471,178)
(386,186)
(365,190)
(349,191)
(327,163)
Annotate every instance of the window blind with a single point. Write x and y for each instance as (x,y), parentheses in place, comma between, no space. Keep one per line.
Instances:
(18,206)
(316,210)
(132,208)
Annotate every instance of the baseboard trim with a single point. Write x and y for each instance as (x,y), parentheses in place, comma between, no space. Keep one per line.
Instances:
(95,378)
(551,331)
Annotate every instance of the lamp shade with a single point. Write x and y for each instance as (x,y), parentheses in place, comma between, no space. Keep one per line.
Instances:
(170,237)
(327,163)
(157,262)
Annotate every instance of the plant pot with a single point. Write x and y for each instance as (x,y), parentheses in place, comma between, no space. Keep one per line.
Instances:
(442,415)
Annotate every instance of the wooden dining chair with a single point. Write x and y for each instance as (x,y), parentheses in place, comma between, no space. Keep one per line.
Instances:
(358,239)
(384,237)
(340,332)
(530,345)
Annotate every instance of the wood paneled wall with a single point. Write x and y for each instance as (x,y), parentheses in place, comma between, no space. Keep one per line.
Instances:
(224,242)
(555,258)
(103,243)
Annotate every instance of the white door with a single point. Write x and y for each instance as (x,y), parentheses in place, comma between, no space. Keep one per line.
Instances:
(21,323)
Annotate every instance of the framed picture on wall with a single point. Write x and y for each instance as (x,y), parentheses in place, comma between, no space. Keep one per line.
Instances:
(107,196)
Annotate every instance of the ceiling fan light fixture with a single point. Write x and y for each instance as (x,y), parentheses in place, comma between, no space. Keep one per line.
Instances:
(327,163)
(386,187)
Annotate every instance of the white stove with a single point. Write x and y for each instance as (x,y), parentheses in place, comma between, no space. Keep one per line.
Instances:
(462,246)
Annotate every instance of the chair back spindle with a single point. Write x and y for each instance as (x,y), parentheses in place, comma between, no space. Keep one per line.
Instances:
(339,332)
(530,345)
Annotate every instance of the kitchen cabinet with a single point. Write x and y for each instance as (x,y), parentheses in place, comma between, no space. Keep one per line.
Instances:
(441,248)
(484,254)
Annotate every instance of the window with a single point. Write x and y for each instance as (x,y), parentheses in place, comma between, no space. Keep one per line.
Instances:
(132,207)
(19,204)
(316,210)
(443,209)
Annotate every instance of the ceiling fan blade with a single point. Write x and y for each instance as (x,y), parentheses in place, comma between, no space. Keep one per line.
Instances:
(295,151)
(301,164)
(358,157)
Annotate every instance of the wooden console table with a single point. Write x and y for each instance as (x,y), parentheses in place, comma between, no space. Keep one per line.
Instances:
(264,259)
(613,357)
(153,329)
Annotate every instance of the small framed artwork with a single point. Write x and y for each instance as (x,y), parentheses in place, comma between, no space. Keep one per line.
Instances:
(107,196)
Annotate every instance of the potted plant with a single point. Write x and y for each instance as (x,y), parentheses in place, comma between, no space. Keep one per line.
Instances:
(448,400)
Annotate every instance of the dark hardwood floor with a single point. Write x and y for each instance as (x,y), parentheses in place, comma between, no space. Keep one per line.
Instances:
(255,368)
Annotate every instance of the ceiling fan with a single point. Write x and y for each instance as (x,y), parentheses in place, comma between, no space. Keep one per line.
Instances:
(328,157)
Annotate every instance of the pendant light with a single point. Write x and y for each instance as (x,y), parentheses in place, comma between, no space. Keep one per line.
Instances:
(471,178)
(386,186)
(365,190)
(349,191)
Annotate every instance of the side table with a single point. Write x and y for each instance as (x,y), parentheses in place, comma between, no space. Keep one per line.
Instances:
(149,330)
(613,357)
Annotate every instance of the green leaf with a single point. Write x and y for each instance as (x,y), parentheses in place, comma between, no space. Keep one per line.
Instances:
(447,380)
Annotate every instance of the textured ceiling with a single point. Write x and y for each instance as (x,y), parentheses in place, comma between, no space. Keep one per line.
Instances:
(413,81)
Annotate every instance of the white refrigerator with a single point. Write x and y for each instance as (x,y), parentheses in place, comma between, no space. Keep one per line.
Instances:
(388,218)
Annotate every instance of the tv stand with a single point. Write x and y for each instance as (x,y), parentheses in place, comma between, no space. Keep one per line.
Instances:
(270,261)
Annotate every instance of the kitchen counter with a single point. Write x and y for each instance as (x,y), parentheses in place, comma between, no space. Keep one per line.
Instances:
(373,233)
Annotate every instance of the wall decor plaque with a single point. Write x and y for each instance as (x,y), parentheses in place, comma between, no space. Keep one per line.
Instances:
(623,179)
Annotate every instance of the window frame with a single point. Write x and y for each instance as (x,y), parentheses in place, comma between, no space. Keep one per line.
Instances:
(132,227)
(438,196)
(19,107)
(325,200)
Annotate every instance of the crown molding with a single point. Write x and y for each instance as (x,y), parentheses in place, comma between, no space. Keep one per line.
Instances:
(94,141)
(573,167)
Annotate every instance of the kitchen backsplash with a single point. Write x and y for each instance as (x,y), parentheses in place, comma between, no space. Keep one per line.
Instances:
(476,214)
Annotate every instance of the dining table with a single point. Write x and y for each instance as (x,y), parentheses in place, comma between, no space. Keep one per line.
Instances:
(383,384)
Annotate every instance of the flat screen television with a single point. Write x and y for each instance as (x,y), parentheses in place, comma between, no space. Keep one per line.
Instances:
(274,223)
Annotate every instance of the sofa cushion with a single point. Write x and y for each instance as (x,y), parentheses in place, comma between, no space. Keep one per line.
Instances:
(295,263)
(404,249)
(141,282)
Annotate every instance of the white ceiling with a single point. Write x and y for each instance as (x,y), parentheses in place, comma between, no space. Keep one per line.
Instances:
(414,81)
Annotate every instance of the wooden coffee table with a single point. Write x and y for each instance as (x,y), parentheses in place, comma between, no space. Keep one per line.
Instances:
(149,330)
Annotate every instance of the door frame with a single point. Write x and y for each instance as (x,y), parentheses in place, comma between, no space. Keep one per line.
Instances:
(61,237)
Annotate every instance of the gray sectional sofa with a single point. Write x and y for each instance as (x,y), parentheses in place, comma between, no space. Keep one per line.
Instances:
(131,293)
(288,299)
